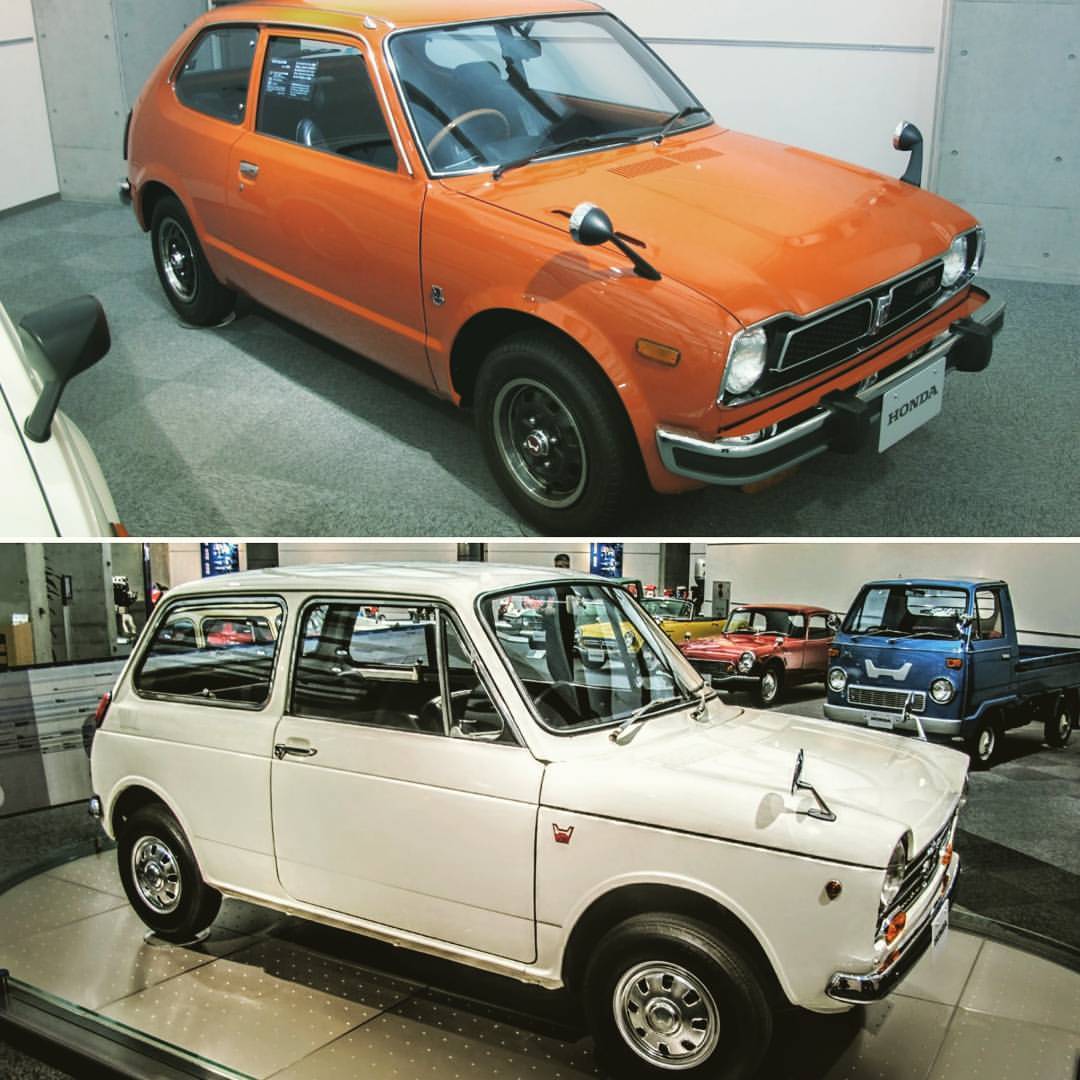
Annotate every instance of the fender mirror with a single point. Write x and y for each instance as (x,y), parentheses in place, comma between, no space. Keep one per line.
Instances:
(61,342)
(833,622)
(591,227)
(908,138)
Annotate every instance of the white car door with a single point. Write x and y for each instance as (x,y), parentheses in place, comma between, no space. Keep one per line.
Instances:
(387,808)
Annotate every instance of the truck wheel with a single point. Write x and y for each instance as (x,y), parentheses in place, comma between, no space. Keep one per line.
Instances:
(1058,727)
(556,436)
(190,285)
(982,743)
(771,686)
(665,994)
(161,877)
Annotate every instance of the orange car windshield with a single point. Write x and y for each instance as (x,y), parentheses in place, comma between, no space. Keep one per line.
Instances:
(482,95)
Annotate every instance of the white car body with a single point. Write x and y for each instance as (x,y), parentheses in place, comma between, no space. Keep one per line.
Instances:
(53,488)
(450,845)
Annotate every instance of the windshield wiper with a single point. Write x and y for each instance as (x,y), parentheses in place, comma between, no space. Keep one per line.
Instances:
(642,712)
(671,121)
(584,142)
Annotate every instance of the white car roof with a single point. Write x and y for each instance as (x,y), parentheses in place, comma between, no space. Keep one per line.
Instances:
(458,583)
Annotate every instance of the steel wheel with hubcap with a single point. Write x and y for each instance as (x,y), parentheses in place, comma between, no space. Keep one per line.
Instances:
(178,260)
(983,743)
(157,874)
(772,682)
(666,1014)
(1058,728)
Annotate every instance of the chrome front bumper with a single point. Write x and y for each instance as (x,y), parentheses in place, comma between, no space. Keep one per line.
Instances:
(841,423)
(857,714)
(874,985)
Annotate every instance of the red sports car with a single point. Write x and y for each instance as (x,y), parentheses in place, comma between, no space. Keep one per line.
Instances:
(765,647)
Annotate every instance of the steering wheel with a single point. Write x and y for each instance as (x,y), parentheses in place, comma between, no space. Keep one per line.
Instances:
(464,118)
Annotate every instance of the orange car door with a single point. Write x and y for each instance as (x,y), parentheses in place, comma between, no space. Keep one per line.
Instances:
(325,220)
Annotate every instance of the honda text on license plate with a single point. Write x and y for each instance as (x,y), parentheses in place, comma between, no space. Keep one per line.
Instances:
(910,403)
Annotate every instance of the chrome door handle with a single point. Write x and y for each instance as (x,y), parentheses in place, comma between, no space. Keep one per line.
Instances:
(1006,656)
(281,749)
(248,170)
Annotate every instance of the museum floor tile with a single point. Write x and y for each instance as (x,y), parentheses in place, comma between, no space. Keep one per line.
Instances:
(262,428)
(271,996)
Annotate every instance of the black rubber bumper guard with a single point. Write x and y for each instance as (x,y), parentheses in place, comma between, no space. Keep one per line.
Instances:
(843,422)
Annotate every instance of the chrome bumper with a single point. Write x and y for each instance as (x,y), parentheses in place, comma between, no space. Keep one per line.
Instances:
(857,714)
(842,423)
(873,986)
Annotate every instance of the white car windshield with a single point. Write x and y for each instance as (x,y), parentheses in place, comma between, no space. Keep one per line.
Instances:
(586,654)
(491,93)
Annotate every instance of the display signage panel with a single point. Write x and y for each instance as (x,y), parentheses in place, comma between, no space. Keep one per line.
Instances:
(606,560)
(218,558)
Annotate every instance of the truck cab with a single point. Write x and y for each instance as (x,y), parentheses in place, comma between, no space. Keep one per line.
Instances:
(941,659)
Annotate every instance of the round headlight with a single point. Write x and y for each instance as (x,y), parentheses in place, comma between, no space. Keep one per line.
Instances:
(630,638)
(956,262)
(746,360)
(942,691)
(746,662)
(837,679)
(894,873)
(577,635)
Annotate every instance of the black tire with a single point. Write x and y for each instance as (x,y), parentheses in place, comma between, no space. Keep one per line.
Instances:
(580,472)
(1058,727)
(770,686)
(196,904)
(982,743)
(190,285)
(671,943)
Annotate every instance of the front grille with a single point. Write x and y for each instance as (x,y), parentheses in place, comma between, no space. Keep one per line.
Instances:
(885,699)
(922,870)
(914,290)
(833,332)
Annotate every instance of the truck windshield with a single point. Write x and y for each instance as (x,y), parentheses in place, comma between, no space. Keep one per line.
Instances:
(585,654)
(489,93)
(907,611)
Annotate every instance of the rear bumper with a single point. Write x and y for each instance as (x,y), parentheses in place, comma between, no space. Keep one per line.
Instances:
(854,714)
(874,985)
(843,422)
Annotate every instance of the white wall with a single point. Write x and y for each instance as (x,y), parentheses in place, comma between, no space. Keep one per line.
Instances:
(1044,578)
(835,75)
(29,169)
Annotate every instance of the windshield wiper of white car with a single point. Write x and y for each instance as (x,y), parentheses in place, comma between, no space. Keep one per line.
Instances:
(671,121)
(585,142)
(650,707)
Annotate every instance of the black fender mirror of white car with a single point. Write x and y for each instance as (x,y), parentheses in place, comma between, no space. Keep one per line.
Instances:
(61,341)
(908,137)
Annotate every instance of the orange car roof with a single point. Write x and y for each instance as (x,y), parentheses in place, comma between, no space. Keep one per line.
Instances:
(401,13)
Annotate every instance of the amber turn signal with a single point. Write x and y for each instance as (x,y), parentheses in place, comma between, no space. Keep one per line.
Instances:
(662,354)
(946,855)
(896,924)
(954,662)
(833,889)
(833,651)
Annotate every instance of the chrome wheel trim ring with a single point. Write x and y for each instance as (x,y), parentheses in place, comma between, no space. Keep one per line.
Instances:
(178,261)
(156,873)
(511,440)
(985,746)
(769,686)
(666,1015)
(1064,726)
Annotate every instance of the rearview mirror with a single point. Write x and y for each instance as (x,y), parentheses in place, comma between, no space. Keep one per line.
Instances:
(908,137)
(61,342)
(591,227)
(833,622)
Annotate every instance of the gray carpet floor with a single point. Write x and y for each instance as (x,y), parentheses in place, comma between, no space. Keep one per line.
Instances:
(262,428)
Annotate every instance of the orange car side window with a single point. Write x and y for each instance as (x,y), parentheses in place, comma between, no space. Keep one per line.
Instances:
(215,73)
(319,94)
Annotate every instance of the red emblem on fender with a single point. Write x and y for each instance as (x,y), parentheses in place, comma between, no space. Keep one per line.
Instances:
(562,836)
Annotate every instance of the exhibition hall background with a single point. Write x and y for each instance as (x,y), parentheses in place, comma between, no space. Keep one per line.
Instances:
(993,84)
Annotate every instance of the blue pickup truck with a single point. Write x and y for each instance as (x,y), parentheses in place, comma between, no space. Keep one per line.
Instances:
(940,659)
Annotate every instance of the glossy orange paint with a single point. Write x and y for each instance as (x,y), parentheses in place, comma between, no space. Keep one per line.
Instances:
(740,228)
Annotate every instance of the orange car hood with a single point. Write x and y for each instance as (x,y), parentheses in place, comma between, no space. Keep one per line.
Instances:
(757,226)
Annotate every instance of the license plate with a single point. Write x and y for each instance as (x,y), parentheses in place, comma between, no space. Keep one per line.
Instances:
(596,656)
(885,723)
(940,926)
(909,404)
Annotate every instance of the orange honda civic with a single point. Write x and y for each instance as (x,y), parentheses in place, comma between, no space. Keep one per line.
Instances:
(527,212)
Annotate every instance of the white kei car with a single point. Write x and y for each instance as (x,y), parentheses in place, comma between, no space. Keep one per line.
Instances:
(369,746)
(52,483)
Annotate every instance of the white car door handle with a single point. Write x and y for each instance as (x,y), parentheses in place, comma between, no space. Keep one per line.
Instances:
(281,749)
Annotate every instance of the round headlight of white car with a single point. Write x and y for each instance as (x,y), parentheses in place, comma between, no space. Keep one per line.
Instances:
(746,360)
(630,638)
(956,262)
(894,873)
(837,679)
(746,662)
(942,690)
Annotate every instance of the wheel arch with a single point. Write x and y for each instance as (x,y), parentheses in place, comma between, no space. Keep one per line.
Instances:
(626,900)
(149,195)
(132,795)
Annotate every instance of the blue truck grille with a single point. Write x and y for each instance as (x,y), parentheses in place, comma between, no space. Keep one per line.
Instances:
(875,698)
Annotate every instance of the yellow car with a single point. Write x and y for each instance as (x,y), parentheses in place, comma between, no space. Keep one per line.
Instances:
(596,641)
